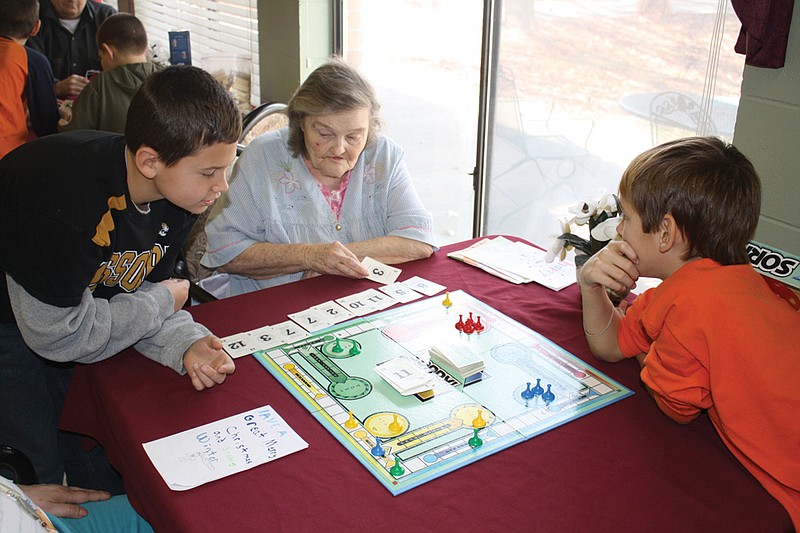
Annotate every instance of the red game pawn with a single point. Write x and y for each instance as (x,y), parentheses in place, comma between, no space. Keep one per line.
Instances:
(470,322)
(478,326)
(469,327)
(460,323)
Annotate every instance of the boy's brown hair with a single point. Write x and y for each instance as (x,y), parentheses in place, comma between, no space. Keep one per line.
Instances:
(711,189)
(18,17)
(179,111)
(124,32)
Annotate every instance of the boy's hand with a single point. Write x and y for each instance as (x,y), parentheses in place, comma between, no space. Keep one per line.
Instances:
(615,267)
(207,363)
(63,501)
(179,288)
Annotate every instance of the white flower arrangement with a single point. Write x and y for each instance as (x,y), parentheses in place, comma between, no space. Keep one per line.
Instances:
(602,216)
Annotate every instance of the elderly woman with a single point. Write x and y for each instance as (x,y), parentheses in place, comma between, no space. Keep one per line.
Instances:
(318,196)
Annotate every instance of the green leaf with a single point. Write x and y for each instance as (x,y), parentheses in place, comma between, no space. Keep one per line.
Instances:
(579,243)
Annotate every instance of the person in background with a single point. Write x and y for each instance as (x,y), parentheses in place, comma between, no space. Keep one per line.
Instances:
(68,39)
(93,223)
(712,337)
(103,103)
(27,92)
(320,195)
(53,507)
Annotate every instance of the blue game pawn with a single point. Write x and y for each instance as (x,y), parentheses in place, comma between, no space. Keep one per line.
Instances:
(548,395)
(527,394)
(378,450)
(537,390)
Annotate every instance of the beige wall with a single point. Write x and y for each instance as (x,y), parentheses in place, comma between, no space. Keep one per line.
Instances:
(294,39)
(768,132)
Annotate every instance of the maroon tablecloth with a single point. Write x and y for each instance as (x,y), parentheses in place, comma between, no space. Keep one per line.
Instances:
(625,467)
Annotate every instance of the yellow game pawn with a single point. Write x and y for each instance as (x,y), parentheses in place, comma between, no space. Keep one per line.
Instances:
(479,422)
(447,302)
(395,426)
(351,423)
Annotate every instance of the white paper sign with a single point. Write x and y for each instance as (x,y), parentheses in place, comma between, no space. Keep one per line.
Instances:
(216,450)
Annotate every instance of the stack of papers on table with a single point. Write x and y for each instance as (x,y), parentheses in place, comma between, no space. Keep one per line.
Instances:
(459,361)
(404,376)
(517,262)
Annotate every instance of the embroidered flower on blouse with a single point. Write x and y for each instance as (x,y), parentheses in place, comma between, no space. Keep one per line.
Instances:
(370,169)
(290,183)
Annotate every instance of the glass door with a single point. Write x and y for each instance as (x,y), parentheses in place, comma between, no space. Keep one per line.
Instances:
(423,58)
(582,86)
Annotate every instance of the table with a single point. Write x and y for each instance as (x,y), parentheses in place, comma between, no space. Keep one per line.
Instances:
(681,110)
(625,467)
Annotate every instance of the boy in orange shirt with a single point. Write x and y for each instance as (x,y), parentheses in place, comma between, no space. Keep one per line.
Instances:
(712,337)
(27,99)
(17,21)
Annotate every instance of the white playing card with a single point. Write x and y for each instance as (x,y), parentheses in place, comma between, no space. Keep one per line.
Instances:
(428,288)
(265,338)
(400,292)
(379,272)
(239,345)
(311,319)
(334,312)
(356,304)
(289,331)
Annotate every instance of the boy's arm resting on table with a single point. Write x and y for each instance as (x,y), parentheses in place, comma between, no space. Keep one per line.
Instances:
(98,329)
(615,267)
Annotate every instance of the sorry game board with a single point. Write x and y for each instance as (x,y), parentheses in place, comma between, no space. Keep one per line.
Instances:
(529,385)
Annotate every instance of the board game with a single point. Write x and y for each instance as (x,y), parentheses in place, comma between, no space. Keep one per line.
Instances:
(529,386)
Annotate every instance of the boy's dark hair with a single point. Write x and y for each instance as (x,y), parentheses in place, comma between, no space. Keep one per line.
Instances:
(179,111)
(332,88)
(124,32)
(709,187)
(18,17)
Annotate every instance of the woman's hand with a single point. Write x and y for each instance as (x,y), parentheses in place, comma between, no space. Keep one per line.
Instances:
(333,258)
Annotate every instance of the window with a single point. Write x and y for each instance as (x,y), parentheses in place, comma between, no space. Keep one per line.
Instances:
(580,88)
(224,35)
(583,86)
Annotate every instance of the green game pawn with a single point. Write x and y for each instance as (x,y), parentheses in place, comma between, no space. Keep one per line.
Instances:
(397,470)
(337,346)
(354,350)
(475,441)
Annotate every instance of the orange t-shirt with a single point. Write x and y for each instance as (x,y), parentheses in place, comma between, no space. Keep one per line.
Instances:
(717,338)
(13,102)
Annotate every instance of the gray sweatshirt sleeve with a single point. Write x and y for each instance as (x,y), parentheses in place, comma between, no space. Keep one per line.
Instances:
(97,328)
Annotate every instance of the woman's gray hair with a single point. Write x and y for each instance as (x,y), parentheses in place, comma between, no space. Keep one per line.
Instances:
(332,88)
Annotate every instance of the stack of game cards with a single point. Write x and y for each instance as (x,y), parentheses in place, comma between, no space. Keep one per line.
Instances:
(458,361)
(404,376)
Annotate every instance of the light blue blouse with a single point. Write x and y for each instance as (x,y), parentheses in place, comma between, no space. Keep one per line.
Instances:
(273,198)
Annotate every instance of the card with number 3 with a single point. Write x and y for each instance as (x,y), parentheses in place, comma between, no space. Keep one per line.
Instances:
(379,272)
